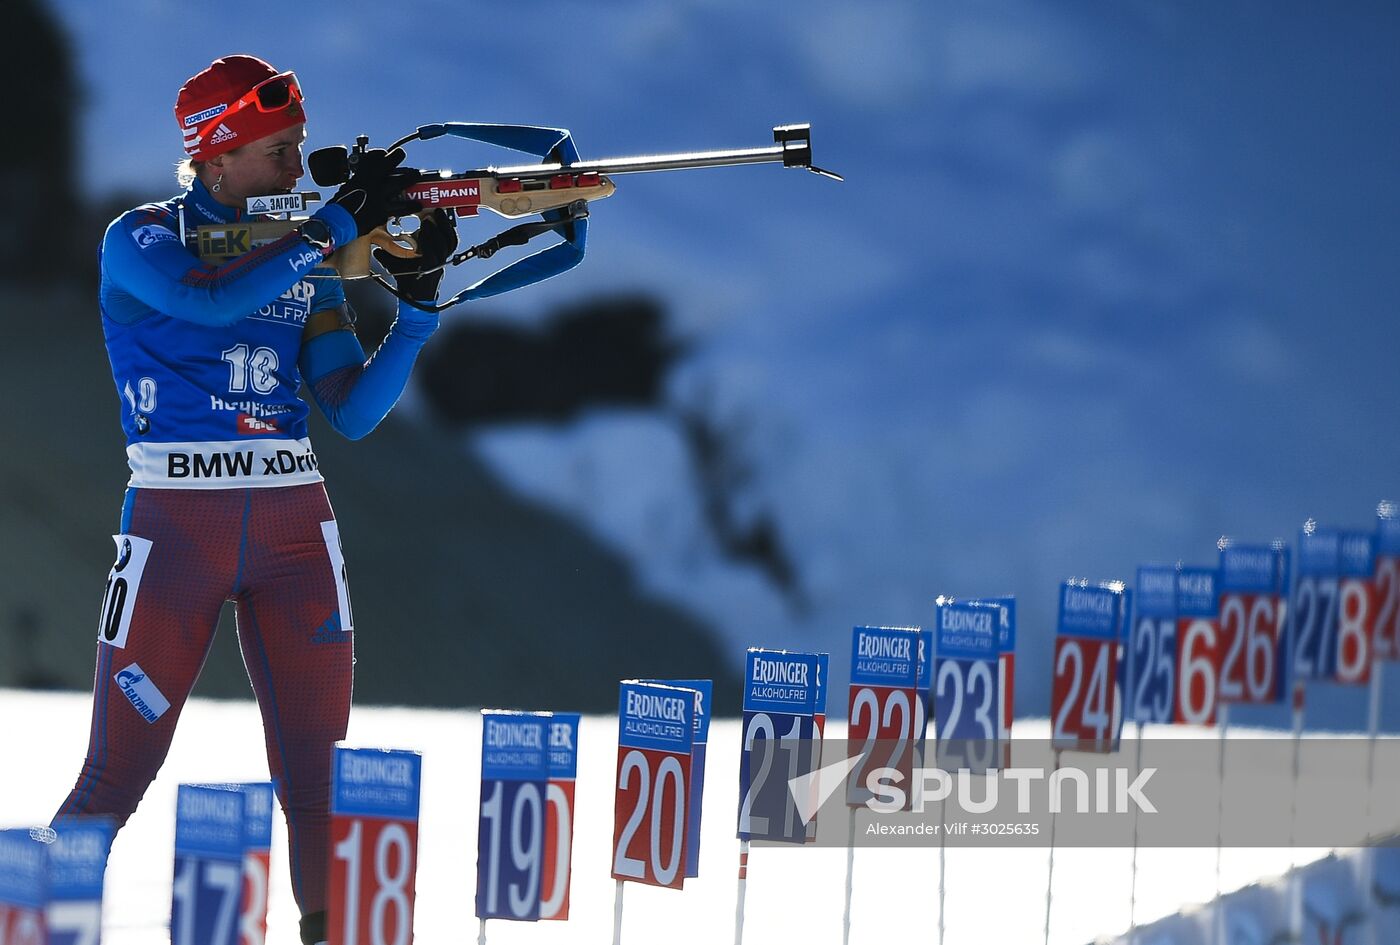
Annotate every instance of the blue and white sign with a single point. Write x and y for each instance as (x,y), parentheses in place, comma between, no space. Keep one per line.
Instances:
(1152,647)
(784,698)
(515,771)
(1087,610)
(967,645)
(376,782)
(210,840)
(23,887)
(77,863)
(783,683)
(1314,611)
(655,717)
(704,693)
(885,657)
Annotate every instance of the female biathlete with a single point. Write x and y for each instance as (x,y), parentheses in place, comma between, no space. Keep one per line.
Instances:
(226,500)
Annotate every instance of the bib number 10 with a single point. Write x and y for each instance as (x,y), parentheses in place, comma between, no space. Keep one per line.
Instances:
(257,366)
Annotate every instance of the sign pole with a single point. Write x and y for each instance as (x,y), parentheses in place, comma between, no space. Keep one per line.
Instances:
(1368,853)
(1295,911)
(1132,887)
(617,915)
(1050,873)
(942,862)
(1223,715)
(850,873)
(481,934)
(743,888)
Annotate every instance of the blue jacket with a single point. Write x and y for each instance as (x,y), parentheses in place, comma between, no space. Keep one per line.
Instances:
(208,360)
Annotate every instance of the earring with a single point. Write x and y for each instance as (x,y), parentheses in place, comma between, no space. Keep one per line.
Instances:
(218,184)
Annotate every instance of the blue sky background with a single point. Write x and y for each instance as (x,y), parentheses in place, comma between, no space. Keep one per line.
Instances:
(1105,281)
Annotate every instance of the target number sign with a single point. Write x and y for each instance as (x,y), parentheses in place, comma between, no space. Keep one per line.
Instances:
(784,698)
(1250,624)
(656,731)
(883,705)
(510,823)
(704,693)
(223,835)
(965,698)
(1085,667)
(1358,606)
(559,815)
(1198,646)
(374,846)
(1387,637)
(1315,604)
(23,878)
(1151,661)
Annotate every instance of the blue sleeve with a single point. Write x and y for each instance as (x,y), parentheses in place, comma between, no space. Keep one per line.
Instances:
(143,256)
(330,293)
(356,394)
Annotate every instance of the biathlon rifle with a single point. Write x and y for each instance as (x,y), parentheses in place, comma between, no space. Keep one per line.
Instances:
(559,189)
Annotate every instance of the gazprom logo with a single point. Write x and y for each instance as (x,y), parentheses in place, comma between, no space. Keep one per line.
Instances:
(142,693)
(201,117)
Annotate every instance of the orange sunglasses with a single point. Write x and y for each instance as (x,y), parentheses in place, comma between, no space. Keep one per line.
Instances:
(270,95)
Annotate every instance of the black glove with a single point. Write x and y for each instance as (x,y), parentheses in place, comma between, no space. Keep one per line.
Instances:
(374,192)
(437,241)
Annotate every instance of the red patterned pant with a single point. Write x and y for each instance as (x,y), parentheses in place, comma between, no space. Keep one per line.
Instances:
(182,553)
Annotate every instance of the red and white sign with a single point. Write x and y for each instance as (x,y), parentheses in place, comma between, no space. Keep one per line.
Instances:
(21,926)
(1249,646)
(559,816)
(461,195)
(1081,698)
(1083,689)
(252,917)
(1197,646)
(374,846)
(1387,631)
(654,741)
(1357,609)
(649,817)
(1251,623)
(882,706)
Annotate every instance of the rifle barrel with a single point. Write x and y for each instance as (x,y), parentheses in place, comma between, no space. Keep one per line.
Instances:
(638,165)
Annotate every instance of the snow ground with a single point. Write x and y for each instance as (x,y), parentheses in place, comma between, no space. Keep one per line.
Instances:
(793,895)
